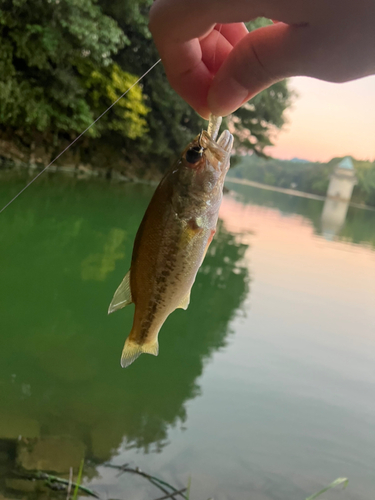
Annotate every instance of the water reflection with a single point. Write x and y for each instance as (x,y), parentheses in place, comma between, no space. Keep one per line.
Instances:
(295,375)
(331,219)
(59,351)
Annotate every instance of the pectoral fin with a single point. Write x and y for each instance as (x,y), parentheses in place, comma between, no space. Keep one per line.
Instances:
(122,296)
(184,302)
(213,231)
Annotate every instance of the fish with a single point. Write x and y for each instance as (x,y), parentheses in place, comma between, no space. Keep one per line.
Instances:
(173,238)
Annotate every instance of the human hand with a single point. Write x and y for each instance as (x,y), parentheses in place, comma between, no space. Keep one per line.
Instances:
(216,65)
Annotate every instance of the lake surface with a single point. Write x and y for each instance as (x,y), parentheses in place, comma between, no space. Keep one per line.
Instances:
(264,389)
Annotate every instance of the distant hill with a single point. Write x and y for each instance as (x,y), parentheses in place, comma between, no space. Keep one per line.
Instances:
(302,175)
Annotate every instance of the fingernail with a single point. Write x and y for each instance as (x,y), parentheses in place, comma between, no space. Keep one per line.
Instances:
(225,96)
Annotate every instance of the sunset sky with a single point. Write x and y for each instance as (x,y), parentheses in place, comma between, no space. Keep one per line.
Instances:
(329,120)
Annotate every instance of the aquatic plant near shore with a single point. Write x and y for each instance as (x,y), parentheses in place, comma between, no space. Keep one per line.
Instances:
(169,491)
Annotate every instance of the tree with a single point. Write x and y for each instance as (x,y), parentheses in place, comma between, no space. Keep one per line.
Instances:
(57,73)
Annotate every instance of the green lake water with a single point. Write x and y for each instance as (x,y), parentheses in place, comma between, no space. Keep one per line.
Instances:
(264,389)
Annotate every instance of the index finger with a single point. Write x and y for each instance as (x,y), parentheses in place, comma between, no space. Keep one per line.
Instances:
(180,28)
(180,50)
(188,74)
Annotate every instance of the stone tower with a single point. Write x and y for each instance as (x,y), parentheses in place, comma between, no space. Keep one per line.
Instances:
(342,181)
(339,193)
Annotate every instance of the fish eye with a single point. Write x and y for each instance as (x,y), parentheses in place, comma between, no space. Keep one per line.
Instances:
(194,154)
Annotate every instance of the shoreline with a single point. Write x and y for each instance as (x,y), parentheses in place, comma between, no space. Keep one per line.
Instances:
(80,172)
(85,172)
(292,192)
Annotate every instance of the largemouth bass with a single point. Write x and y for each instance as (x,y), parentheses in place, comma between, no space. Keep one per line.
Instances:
(172,240)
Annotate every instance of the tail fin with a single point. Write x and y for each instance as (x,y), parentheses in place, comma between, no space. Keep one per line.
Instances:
(132,350)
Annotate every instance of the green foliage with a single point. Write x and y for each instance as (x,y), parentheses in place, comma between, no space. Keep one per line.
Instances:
(365,188)
(106,87)
(305,176)
(56,59)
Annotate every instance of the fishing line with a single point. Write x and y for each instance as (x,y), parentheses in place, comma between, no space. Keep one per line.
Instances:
(80,135)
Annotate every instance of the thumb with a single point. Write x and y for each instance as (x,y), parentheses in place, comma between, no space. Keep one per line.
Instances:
(261,58)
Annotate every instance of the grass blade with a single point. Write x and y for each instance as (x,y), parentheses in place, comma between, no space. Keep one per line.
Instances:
(70,483)
(171,494)
(341,480)
(188,489)
(79,479)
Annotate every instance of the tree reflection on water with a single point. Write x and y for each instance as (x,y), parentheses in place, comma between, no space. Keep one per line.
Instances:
(66,247)
(355,226)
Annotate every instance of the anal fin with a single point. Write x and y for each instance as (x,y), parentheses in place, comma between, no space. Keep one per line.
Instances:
(122,296)
(132,351)
(184,302)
